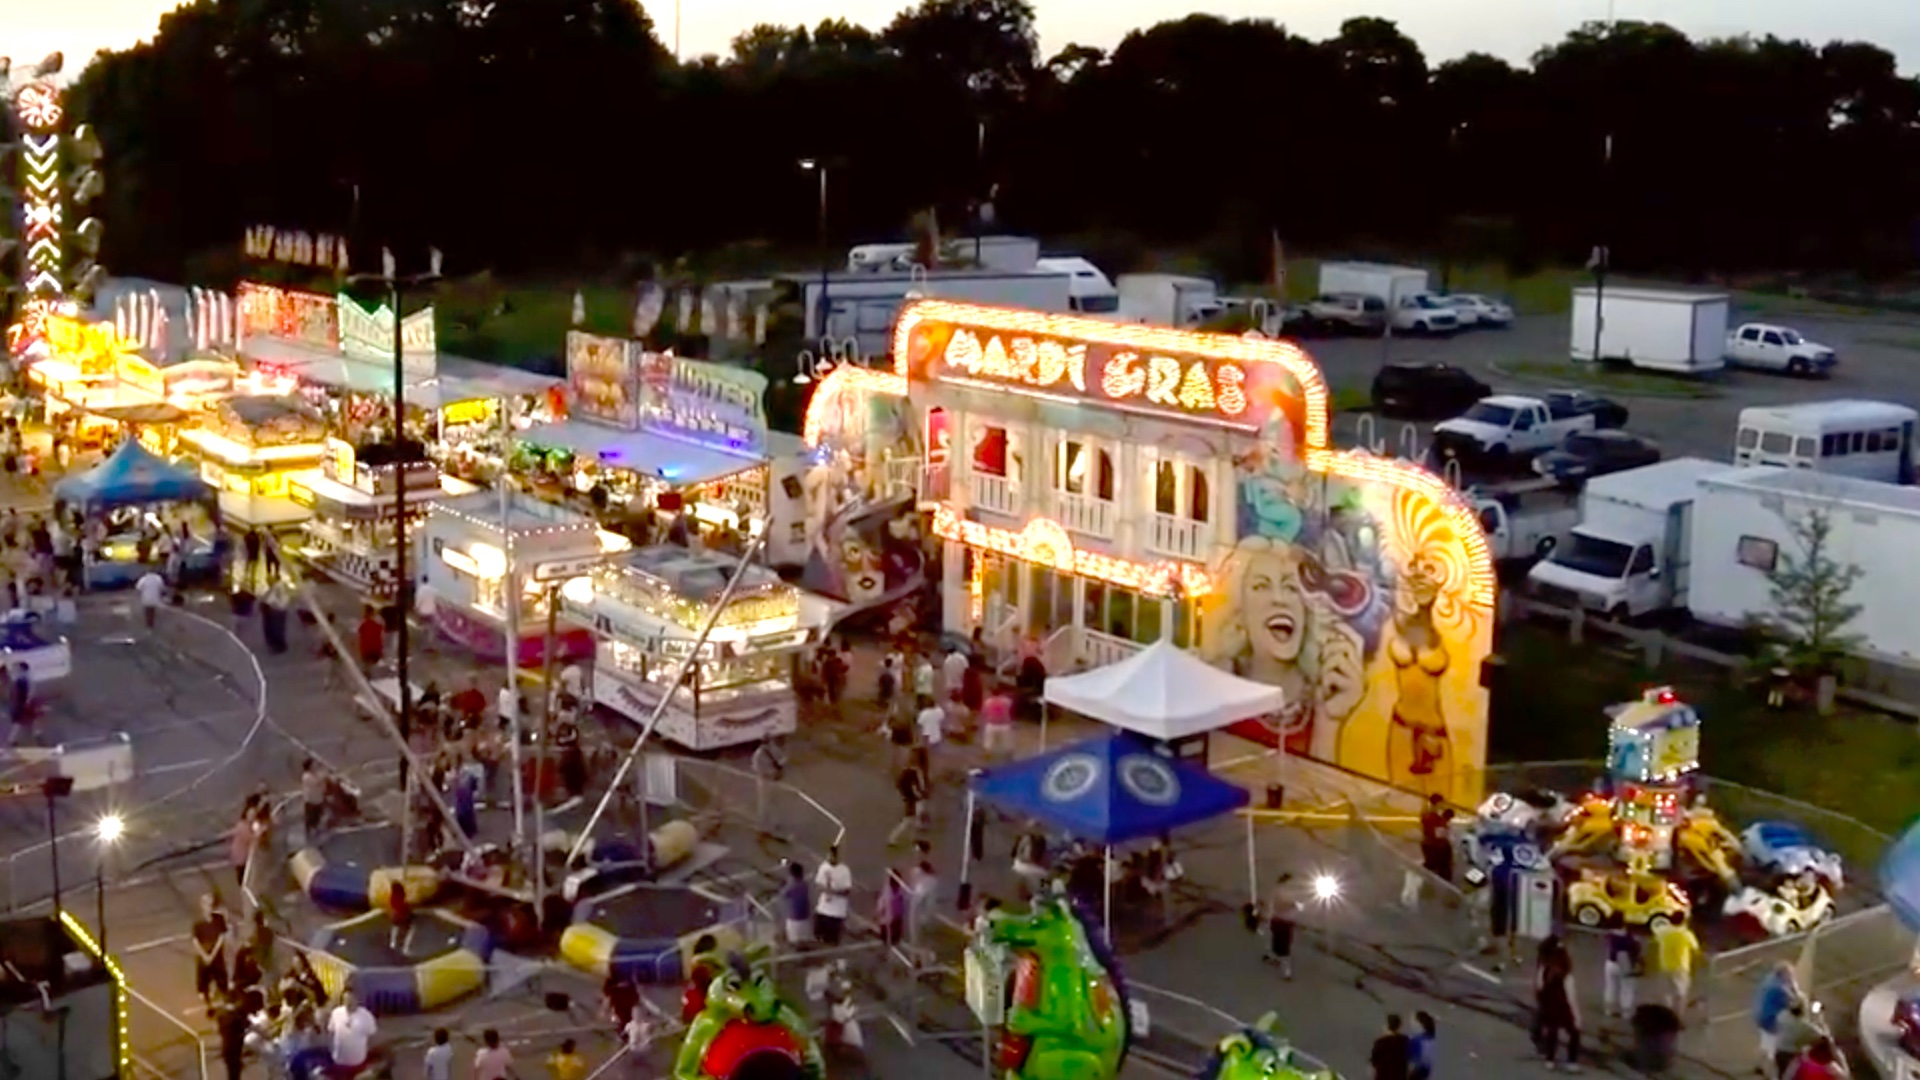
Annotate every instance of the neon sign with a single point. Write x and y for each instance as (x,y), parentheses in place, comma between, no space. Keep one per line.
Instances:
(1216,379)
(42,213)
(1046,543)
(298,316)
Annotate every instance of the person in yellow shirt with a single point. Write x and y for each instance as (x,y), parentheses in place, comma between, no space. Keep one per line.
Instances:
(1677,951)
(566,1062)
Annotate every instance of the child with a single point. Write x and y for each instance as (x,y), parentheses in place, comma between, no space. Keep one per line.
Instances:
(400,912)
(566,1062)
(439,1061)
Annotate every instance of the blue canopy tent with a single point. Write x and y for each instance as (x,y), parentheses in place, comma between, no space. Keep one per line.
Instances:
(131,476)
(1110,790)
(134,476)
(1900,878)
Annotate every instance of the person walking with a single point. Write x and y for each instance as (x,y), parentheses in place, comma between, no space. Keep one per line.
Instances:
(923,677)
(911,783)
(835,884)
(352,1028)
(930,722)
(1436,843)
(241,841)
(1421,1046)
(1392,1052)
(438,1063)
(1556,1008)
(1282,910)
(493,1061)
(1778,993)
(370,639)
(953,679)
(1677,950)
(313,800)
(891,670)
(769,765)
(996,722)
(1622,966)
(796,898)
(152,589)
(210,952)
(1822,1061)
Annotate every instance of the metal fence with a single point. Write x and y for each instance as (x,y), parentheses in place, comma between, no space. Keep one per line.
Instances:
(789,821)
(166,1047)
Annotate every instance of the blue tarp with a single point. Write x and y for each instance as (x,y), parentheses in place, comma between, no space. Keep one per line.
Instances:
(131,476)
(1110,790)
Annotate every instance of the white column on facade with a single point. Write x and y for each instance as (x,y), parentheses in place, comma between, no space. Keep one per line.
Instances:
(956,604)
(1132,498)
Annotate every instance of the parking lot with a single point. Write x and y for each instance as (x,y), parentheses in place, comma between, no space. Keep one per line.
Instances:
(1879,359)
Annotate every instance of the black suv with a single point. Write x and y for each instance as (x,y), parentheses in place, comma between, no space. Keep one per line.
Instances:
(1425,390)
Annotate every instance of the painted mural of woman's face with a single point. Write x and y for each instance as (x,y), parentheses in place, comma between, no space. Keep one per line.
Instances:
(1423,579)
(1343,665)
(1273,605)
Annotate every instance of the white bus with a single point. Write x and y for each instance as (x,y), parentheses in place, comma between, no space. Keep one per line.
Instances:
(1871,440)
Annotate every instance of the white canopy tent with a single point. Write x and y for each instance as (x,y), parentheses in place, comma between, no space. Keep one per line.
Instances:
(1163,692)
(1166,693)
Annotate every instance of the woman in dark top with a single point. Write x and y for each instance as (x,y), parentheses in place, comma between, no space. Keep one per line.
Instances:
(1556,1012)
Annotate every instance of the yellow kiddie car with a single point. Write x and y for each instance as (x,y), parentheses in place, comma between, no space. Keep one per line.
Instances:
(1635,899)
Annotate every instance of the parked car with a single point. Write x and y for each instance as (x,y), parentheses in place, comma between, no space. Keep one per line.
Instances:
(1599,898)
(1505,430)
(1779,348)
(1473,309)
(1425,390)
(1585,454)
(1348,313)
(1606,412)
(1787,850)
(1425,313)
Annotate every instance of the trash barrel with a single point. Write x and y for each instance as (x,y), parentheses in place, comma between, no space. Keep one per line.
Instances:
(1656,1038)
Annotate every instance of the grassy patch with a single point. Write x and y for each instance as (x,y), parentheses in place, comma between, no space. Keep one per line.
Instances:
(1348,399)
(1644,384)
(525,325)
(1860,764)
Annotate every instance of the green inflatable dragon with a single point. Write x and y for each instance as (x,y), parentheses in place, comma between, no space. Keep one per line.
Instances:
(747,1031)
(1257,1053)
(1067,1014)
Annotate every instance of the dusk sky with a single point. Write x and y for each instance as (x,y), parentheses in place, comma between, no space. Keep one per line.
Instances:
(29,29)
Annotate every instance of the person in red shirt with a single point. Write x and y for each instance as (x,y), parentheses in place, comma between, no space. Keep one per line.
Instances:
(400,913)
(371,639)
(1822,1061)
(693,999)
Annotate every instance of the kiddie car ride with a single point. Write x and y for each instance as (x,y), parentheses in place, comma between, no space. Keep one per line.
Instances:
(1787,850)
(1511,828)
(24,641)
(1636,898)
(1795,907)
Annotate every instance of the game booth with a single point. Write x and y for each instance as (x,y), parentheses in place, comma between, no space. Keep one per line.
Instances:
(652,432)
(479,552)
(647,609)
(251,449)
(137,498)
(350,536)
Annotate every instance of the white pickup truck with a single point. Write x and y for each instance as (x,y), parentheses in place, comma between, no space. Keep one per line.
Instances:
(1778,348)
(1526,521)
(1506,430)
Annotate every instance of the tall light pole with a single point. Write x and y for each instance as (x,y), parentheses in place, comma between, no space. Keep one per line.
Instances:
(1601,254)
(817,165)
(106,833)
(55,788)
(397,284)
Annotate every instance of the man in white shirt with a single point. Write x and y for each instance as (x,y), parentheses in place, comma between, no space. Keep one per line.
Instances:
(352,1028)
(932,721)
(923,677)
(152,589)
(953,672)
(835,884)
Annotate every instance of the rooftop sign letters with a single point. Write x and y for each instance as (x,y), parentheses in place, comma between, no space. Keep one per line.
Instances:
(299,316)
(709,403)
(1212,379)
(368,335)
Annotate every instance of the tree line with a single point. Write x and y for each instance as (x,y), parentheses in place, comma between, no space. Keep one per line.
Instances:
(525,134)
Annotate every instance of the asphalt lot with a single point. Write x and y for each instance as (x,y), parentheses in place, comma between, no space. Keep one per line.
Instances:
(1879,359)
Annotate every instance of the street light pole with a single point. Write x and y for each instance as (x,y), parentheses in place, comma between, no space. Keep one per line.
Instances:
(1601,255)
(55,788)
(817,165)
(105,833)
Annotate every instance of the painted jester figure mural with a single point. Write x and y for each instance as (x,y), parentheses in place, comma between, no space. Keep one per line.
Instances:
(1110,485)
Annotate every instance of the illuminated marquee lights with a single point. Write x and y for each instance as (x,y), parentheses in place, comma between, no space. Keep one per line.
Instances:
(829,396)
(42,213)
(1151,369)
(1046,543)
(122,1045)
(38,106)
(1137,379)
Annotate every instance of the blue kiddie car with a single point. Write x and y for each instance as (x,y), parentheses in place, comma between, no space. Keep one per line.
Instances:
(1788,850)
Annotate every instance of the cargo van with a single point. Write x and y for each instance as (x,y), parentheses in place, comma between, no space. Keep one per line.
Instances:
(1092,293)
(1870,440)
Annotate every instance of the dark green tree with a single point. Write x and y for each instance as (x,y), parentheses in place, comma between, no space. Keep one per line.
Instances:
(1810,590)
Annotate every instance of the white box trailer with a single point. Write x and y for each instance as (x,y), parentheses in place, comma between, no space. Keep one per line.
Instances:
(1744,528)
(1176,300)
(863,306)
(1656,329)
(1390,283)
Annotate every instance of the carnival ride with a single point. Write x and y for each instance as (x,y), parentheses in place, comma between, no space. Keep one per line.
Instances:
(1648,826)
(1066,1014)
(747,1031)
(1258,1052)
